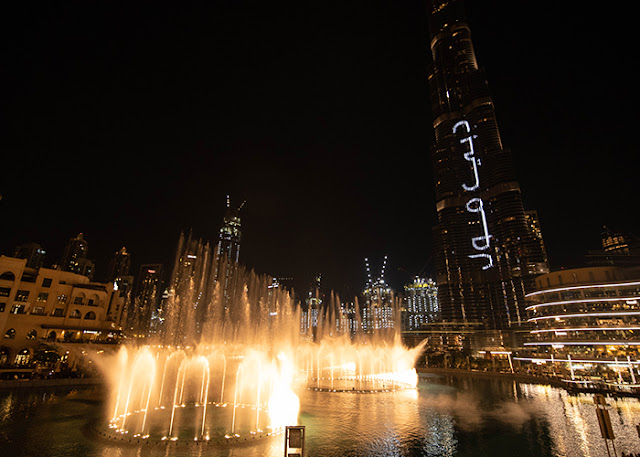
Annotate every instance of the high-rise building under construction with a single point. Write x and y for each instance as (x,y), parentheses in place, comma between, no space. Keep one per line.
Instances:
(486,253)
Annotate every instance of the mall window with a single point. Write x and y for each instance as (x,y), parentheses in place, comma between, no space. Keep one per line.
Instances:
(5,291)
(90,315)
(75,314)
(46,282)
(10,334)
(58,312)
(77,301)
(32,335)
(42,296)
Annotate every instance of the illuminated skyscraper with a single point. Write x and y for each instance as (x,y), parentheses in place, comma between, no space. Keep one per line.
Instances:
(486,253)
(618,249)
(228,250)
(421,304)
(378,310)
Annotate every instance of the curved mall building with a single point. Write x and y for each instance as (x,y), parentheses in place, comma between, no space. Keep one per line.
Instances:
(586,325)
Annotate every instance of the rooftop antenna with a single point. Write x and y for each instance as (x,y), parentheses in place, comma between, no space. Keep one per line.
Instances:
(384,265)
(366,262)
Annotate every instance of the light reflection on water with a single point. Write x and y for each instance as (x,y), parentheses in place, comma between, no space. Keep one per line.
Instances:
(450,416)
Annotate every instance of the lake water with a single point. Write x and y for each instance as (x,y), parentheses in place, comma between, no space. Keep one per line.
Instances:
(446,416)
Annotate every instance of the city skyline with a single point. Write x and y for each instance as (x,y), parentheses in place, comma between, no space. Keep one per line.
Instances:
(330,152)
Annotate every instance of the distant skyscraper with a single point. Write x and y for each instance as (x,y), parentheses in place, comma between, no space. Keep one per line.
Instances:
(33,252)
(119,265)
(144,313)
(228,250)
(312,314)
(615,242)
(486,254)
(618,249)
(74,257)
(533,224)
(378,307)
(421,303)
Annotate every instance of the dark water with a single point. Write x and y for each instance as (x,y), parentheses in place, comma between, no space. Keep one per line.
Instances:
(445,416)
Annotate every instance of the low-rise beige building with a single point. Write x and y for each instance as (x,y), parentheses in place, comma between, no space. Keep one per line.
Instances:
(53,307)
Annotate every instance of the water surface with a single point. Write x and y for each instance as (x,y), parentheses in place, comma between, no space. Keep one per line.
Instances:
(445,416)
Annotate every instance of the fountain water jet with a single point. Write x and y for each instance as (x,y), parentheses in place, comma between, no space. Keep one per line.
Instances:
(241,343)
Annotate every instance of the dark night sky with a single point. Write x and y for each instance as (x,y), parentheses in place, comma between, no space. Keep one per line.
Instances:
(131,121)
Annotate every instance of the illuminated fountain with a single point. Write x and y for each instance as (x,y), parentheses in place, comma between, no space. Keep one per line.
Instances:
(234,378)
(202,394)
(345,357)
(338,365)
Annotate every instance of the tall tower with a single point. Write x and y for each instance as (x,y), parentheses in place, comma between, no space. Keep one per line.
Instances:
(378,309)
(74,257)
(486,254)
(228,251)
(144,314)
(119,265)
(314,308)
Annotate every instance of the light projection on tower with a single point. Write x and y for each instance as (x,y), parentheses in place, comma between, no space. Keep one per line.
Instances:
(470,155)
(480,243)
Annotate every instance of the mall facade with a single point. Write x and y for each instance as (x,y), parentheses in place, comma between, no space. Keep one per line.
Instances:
(585,325)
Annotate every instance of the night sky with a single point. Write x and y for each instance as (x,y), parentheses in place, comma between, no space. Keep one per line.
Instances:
(132,121)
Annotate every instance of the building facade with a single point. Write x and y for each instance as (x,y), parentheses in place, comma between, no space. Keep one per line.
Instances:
(378,306)
(74,257)
(53,307)
(228,252)
(143,317)
(586,324)
(119,265)
(421,304)
(486,252)
(617,249)
(33,252)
